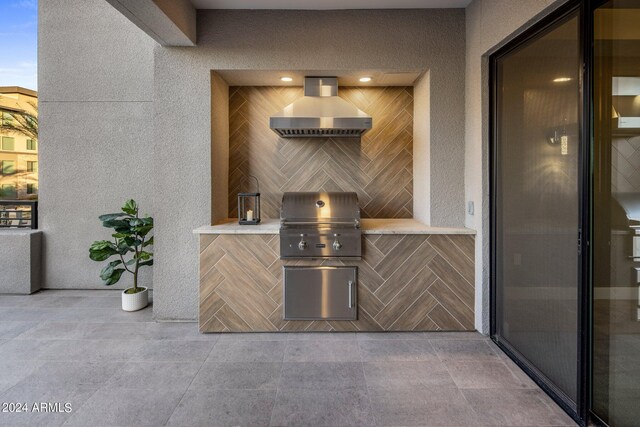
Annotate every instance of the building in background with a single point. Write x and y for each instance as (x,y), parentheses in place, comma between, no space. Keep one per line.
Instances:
(18,150)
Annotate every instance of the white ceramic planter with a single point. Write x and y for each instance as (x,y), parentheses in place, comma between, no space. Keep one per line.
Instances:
(135,302)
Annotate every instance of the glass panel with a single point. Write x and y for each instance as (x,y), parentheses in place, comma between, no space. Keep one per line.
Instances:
(616,225)
(537,204)
(8,167)
(8,143)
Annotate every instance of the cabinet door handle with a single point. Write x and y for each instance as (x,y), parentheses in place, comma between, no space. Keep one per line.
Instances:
(350,294)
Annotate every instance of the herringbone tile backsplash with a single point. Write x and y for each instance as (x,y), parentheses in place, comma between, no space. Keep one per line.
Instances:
(378,166)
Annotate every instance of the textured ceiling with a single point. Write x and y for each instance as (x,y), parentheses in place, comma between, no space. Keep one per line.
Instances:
(329,4)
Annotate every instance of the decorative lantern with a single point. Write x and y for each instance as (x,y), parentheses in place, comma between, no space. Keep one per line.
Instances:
(249,206)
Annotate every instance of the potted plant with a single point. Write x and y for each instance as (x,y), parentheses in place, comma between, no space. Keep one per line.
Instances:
(130,240)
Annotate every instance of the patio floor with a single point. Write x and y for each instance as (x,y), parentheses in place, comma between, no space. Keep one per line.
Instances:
(120,369)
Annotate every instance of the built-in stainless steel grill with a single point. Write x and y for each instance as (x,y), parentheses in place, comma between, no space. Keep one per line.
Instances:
(320,225)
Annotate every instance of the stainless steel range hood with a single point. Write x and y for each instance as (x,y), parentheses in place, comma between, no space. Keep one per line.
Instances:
(320,113)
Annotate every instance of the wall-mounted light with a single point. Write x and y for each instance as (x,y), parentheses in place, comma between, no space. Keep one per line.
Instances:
(562,79)
(365,79)
(286,79)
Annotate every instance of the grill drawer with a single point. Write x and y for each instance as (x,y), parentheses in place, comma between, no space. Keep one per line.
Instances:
(325,293)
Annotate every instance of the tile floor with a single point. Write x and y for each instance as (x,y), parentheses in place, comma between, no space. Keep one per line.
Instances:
(124,369)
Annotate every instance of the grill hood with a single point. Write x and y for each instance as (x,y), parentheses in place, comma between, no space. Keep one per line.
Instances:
(320,113)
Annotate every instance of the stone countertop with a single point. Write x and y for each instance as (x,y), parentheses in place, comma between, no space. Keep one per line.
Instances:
(368,225)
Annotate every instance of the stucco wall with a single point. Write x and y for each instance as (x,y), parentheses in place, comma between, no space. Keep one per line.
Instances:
(421,148)
(95,91)
(490,24)
(289,40)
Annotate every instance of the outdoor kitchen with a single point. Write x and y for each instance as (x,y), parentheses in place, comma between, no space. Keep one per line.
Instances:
(316,222)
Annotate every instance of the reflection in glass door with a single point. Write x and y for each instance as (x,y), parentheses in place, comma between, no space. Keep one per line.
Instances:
(535,205)
(616,214)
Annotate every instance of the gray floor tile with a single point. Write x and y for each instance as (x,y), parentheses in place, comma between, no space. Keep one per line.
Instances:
(365,336)
(402,375)
(253,336)
(119,368)
(11,301)
(66,402)
(397,351)
(456,336)
(14,371)
(248,351)
(420,407)
(66,375)
(55,330)
(238,375)
(308,350)
(484,374)
(118,330)
(104,292)
(108,315)
(322,376)
(45,300)
(125,407)
(155,375)
(177,331)
(29,314)
(322,408)
(456,350)
(337,336)
(515,408)
(104,301)
(91,350)
(173,351)
(10,330)
(24,349)
(224,408)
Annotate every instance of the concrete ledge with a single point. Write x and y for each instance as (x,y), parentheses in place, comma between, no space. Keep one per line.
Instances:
(20,261)
(169,22)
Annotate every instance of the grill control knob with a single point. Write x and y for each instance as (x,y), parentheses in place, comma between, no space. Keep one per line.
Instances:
(302,245)
(336,243)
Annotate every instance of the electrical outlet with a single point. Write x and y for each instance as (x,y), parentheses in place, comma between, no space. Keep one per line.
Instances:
(470,207)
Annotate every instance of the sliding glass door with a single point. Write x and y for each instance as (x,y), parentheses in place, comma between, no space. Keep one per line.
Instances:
(565,208)
(536,204)
(616,213)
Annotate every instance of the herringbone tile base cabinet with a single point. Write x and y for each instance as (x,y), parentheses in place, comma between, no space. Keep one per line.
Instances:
(405,283)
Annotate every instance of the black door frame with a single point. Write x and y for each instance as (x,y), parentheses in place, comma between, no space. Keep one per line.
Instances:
(584,8)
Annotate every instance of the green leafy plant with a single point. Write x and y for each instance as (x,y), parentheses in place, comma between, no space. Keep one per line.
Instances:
(19,121)
(130,240)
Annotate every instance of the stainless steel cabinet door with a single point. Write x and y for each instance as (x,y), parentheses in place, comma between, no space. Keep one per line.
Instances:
(320,293)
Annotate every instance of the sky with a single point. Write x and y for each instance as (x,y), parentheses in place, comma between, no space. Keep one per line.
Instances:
(19,50)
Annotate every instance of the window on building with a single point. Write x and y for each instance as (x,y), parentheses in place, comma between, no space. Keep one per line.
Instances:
(7,167)
(32,166)
(32,144)
(8,191)
(31,189)
(8,143)
(6,118)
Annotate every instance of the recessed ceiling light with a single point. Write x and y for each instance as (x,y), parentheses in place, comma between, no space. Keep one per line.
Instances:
(286,79)
(365,79)
(562,79)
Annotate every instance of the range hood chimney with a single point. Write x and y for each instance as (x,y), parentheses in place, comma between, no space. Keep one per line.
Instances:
(320,113)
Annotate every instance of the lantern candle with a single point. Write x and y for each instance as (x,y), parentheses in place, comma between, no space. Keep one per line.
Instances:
(249,215)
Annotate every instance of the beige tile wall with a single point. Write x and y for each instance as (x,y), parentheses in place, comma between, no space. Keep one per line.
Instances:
(379,166)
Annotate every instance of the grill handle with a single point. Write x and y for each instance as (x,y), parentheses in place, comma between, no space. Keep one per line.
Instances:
(294,223)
